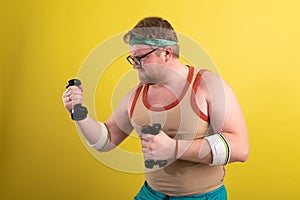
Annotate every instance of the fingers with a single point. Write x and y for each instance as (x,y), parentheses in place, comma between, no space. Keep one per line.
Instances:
(74,89)
(73,95)
(147,150)
(146,142)
(147,137)
(158,147)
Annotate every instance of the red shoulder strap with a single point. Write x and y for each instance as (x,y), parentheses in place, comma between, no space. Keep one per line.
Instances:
(193,95)
(136,96)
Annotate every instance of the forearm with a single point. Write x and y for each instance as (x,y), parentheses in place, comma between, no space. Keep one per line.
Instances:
(200,151)
(90,129)
(195,151)
(100,136)
(239,146)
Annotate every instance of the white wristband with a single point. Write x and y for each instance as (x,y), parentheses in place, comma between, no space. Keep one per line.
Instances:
(103,140)
(220,149)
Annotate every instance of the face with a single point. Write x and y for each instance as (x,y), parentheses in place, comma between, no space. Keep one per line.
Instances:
(152,69)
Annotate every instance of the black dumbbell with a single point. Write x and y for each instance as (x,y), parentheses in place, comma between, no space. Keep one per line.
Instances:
(153,130)
(79,112)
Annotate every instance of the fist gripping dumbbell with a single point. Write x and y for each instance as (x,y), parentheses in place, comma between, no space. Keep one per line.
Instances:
(153,130)
(78,112)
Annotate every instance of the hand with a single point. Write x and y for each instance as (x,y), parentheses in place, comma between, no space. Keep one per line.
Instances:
(158,147)
(72,96)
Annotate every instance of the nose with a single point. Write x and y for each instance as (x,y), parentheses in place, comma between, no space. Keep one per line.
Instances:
(136,66)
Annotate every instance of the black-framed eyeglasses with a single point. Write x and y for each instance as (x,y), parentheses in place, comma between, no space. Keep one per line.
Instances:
(137,59)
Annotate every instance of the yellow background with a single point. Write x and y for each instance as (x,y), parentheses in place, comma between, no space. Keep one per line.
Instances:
(254,44)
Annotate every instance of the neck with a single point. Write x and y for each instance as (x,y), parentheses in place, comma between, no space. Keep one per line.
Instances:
(176,77)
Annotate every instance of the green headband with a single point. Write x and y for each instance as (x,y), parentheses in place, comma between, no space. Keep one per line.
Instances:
(150,41)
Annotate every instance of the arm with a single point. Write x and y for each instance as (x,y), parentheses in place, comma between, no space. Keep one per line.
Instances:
(118,124)
(225,118)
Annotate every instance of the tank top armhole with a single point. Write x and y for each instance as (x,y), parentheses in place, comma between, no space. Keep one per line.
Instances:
(193,95)
(136,96)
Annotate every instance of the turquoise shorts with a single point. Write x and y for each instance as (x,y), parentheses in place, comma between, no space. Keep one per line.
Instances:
(147,193)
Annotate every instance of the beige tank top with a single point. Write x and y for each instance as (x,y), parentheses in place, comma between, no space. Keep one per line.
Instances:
(183,120)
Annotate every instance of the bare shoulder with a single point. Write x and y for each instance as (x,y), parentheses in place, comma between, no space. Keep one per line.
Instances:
(127,100)
(122,111)
(213,86)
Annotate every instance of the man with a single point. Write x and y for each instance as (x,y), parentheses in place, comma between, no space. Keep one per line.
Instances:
(198,126)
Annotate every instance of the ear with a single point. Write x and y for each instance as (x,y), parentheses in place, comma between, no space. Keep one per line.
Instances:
(168,53)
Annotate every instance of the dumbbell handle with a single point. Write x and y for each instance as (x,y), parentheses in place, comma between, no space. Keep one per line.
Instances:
(153,130)
(78,112)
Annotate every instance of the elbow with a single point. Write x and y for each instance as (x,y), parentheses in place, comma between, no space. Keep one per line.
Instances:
(240,155)
(244,155)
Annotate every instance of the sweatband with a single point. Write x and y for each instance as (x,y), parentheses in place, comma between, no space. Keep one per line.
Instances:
(150,41)
(103,140)
(220,149)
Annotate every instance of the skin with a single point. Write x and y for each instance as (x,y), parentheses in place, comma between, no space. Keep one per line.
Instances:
(166,75)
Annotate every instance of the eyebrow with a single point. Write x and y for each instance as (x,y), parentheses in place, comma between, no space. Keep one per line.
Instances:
(137,52)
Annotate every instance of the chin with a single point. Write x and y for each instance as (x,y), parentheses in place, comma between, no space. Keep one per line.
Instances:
(146,79)
(145,82)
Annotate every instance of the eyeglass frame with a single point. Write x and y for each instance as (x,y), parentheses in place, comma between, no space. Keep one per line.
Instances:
(137,59)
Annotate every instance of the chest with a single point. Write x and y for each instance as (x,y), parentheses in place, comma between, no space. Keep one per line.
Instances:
(160,97)
(174,113)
